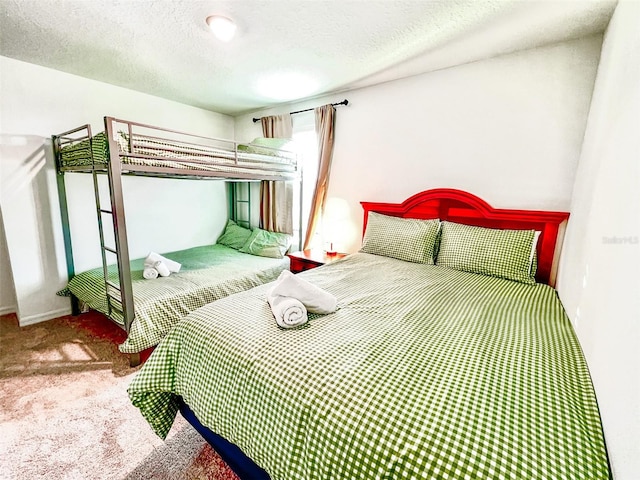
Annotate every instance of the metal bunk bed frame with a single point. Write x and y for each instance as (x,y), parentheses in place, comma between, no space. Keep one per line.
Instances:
(120,297)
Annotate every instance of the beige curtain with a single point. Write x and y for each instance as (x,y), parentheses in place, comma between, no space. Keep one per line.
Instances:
(277,126)
(276,198)
(325,125)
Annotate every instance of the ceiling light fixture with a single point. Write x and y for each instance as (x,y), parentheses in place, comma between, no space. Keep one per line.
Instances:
(222,27)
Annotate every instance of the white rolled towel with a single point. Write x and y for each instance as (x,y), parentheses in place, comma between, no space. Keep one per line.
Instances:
(150,273)
(315,299)
(162,269)
(153,257)
(287,311)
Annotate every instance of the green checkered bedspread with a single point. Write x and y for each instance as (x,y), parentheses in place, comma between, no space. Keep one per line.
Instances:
(174,154)
(208,273)
(423,372)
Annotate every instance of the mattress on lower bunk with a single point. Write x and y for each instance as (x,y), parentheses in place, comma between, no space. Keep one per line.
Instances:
(208,273)
(422,372)
(174,154)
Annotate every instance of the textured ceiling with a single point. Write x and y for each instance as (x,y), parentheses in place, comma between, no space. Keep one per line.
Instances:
(164,48)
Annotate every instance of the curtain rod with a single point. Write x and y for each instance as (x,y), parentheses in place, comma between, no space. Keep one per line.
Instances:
(343,102)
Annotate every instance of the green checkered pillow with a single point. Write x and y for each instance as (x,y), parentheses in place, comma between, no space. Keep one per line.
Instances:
(406,239)
(234,235)
(267,244)
(507,254)
(283,146)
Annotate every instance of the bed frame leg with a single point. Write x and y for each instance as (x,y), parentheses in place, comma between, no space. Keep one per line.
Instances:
(134,359)
(75,306)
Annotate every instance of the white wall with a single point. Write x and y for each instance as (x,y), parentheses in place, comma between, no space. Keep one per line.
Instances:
(598,280)
(162,214)
(508,129)
(7,293)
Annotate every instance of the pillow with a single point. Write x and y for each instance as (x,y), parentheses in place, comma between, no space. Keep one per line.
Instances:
(278,143)
(234,235)
(507,254)
(534,255)
(406,239)
(267,244)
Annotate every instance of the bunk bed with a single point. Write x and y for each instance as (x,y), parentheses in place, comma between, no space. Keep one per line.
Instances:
(431,366)
(131,148)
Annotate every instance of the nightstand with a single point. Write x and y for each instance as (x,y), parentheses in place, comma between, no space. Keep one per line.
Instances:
(308,259)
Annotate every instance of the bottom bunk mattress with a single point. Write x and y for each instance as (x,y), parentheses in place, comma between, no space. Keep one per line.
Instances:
(208,273)
(422,372)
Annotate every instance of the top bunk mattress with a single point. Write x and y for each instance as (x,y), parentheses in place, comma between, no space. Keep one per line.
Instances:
(208,273)
(148,151)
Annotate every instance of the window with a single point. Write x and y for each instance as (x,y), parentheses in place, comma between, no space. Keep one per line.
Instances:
(306,141)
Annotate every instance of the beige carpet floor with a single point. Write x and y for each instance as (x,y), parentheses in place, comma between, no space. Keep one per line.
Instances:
(65,413)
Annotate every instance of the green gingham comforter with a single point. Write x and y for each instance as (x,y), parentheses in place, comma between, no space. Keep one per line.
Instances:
(208,273)
(175,154)
(423,372)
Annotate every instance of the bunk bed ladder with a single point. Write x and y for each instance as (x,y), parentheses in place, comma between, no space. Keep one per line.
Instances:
(242,216)
(240,206)
(113,290)
(119,295)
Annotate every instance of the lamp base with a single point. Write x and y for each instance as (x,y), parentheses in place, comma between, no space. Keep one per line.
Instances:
(330,251)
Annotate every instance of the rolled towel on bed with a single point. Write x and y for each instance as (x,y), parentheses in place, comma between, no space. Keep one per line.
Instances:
(153,257)
(313,298)
(162,269)
(150,273)
(287,311)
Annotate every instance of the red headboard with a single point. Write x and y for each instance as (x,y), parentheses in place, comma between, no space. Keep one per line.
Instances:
(462,207)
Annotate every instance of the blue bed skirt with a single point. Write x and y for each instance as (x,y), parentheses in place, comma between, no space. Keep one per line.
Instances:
(242,465)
